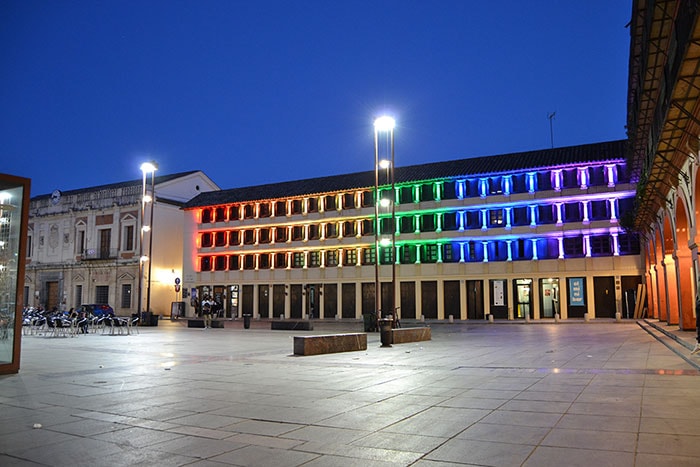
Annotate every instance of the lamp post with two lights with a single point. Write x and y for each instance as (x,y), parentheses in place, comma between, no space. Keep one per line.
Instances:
(384,158)
(146,198)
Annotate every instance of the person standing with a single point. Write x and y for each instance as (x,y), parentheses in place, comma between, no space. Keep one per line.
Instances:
(206,312)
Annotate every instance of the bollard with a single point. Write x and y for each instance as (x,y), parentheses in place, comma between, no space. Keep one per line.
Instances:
(556,317)
(585,317)
(386,334)
(618,317)
(451,319)
(490,318)
(422,318)
(527,318)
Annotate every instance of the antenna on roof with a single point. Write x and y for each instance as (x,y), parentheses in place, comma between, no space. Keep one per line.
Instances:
(551,128)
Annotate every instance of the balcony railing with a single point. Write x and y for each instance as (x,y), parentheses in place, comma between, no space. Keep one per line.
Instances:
(92,254)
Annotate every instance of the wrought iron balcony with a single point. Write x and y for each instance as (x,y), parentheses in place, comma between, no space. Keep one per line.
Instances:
(92,254)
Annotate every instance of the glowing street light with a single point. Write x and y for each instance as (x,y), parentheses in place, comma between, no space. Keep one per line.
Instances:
(384,126)
(146,198)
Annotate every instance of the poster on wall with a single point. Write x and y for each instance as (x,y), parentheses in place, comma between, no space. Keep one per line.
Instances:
(576,297)
(498,294)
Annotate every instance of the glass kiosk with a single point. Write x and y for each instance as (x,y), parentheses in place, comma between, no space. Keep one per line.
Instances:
(14,210)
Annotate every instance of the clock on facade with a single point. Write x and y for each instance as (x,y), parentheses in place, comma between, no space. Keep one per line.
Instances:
(55,196)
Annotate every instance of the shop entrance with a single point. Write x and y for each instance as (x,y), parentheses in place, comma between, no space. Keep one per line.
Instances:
(549,297)
(523,296)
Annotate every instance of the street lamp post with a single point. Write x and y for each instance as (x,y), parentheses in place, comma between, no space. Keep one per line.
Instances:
(146,168)
(384,126)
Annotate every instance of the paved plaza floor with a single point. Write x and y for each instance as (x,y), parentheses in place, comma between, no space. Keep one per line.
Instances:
(505,394)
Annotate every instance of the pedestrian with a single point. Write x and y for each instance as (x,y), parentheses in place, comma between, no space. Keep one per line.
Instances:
(206,312)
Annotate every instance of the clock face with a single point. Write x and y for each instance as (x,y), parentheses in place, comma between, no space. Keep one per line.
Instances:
(55,196)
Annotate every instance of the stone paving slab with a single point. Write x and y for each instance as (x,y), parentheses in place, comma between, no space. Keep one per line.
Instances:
(507,394)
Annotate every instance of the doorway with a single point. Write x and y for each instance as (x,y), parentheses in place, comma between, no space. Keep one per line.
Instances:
(311,310)
(219,294)
(604,296)
(475,300)
(52,296)
(523,296)
(549,297)
(264,301)
(452,300)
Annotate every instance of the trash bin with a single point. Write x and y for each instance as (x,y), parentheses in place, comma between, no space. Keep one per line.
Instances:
(246,321)
(154,319)
(146,318)
(386,334)
(370,321)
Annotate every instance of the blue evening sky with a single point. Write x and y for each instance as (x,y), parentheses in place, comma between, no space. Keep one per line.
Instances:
(263,91)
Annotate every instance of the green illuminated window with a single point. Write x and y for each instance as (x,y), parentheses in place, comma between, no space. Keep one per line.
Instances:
(430,253)
(387,255)
(368,256)
(428,223)
(427,192)
(408,254)
(406,224)
(406,194)
(298,260)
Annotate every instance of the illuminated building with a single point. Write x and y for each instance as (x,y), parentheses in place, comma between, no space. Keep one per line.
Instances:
(520,235)
(83,245)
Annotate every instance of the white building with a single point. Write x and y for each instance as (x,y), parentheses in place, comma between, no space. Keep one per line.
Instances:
(84,245)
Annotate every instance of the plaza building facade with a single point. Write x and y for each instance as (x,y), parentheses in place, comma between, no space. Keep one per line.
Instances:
(84,245)
(664,133)
(531,235)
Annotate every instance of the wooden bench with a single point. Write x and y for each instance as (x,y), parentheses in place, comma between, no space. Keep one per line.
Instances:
(329,343)
(292,325)
(405,335)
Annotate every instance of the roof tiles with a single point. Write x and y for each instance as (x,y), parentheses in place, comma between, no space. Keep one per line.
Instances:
(470,167)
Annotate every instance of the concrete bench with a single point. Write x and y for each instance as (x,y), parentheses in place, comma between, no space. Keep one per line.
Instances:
(292,325)
(199,323)
(405,335)
(329,343)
